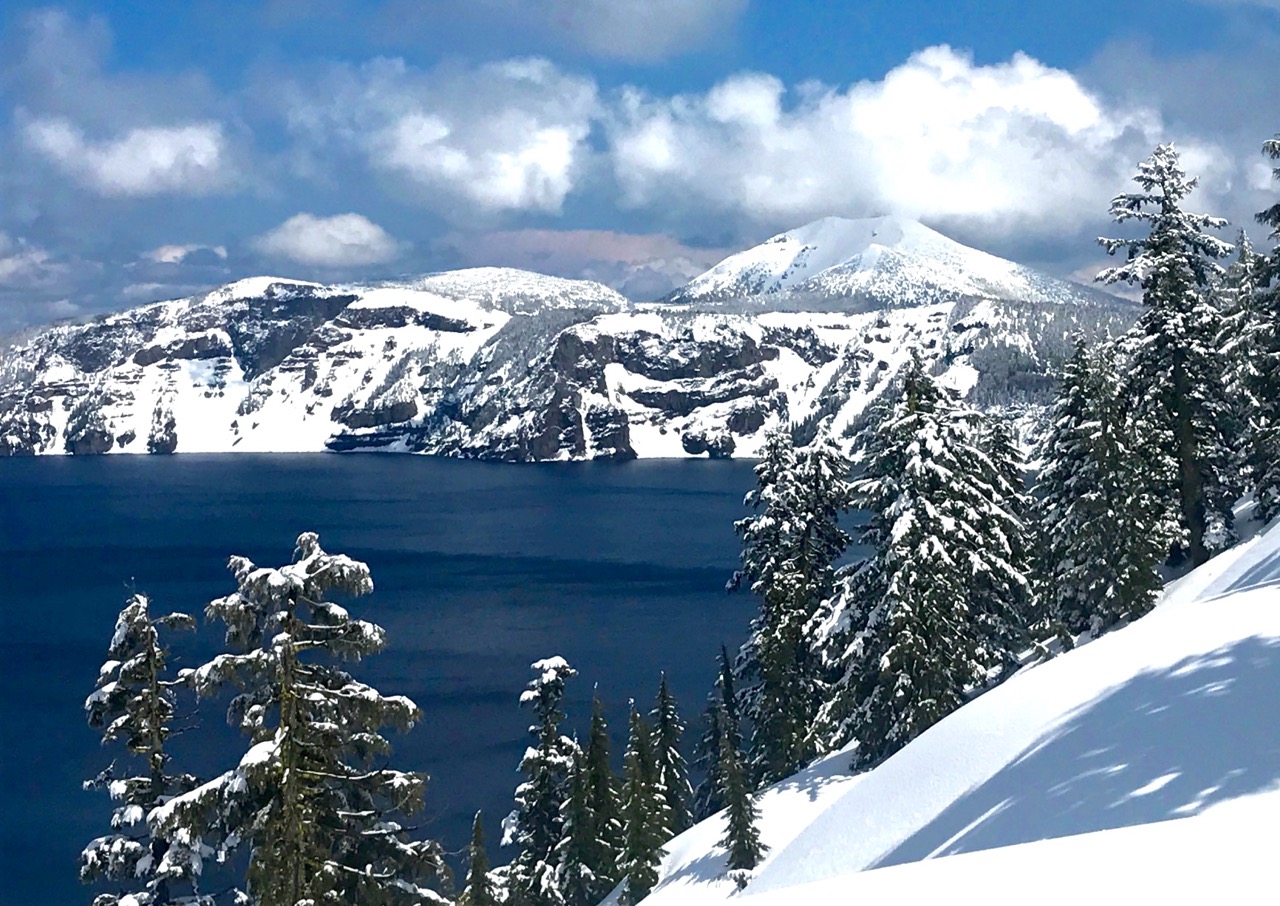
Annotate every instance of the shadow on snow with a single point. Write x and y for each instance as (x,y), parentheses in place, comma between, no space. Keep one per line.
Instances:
(1166,744)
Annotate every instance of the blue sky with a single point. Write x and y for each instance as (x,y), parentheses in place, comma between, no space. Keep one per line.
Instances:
(151,149)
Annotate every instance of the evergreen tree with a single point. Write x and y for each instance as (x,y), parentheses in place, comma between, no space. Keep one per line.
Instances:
(479,886)
(1176,371)
(312,796)
(539,820)
(577,853)
(1262,379)
(903,627)
(1104,530)
(134,704)
(720,721)
(1004,602)
(742,834)
(646,821)
(673,772)
(790,546)
(1238,296)
(603,801)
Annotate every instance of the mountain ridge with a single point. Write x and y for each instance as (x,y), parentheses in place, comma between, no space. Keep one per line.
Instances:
(504,364)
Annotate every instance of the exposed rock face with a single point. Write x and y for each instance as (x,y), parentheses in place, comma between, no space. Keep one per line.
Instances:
(505,365)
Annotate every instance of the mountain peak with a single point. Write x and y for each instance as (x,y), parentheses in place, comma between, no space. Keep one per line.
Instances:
(886,261)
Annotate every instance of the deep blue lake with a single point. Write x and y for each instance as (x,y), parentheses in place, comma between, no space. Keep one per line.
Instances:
(479,569)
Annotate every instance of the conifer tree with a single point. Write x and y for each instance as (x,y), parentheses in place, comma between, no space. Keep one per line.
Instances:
(1104,529)
(1004,601)
(646,822)
(312,797)
(903,628)
(720,721)
(603,800)
(134,704)
(1176,372)
(577,852)
(478,890)
(673,772)
(1262,379)
(539,820)
(742,833)
(1238,298)
(790,546)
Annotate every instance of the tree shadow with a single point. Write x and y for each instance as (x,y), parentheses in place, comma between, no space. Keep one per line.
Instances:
(1265,572)
(813,780)
(1167,744)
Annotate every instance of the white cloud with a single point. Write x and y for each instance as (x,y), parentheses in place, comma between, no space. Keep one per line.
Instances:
(344,240)
(188,159)
(176,254)
(939,137)
(25,266)
(503,137)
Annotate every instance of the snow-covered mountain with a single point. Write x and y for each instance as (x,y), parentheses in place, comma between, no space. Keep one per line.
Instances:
(1144,762)
(505,364)
(882,262)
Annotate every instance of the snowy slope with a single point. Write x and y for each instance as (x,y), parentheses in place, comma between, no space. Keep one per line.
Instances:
(1153,750)
(884,261)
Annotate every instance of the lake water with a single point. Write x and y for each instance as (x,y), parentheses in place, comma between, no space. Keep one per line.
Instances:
(479,569)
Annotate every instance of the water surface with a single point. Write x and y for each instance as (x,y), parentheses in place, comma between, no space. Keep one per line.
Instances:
(478,569)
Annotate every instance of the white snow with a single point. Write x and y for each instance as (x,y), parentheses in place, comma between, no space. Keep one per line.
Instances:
(895,260)
(1150,756)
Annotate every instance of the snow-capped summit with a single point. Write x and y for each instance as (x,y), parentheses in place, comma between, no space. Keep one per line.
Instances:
(521,292)
(888,261)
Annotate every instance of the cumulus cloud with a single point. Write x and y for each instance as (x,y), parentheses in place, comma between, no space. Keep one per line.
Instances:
(186,160)
(177,254)
(510,136)
(939,137)
(344,240)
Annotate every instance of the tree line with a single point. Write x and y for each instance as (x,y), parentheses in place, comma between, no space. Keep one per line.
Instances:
(312,813)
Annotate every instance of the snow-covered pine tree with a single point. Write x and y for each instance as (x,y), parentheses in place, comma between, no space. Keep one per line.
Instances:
(539,821)
(134,704)
(1103,528)
(603,799)
(742,832)
(646,822)
(790,546)
(1175,376)
(1263,377)
(1004,600)
(479,888)
(312,797)
(706,795)
(720,720)
(673,772)
(902,628)
(577,852)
